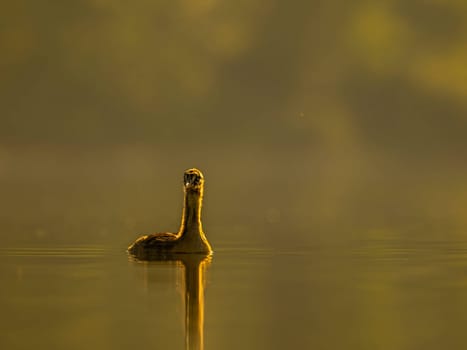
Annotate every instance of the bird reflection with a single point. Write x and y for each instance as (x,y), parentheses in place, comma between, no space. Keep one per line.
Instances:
(194,268)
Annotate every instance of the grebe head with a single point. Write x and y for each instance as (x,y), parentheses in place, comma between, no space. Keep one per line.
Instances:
(193,179)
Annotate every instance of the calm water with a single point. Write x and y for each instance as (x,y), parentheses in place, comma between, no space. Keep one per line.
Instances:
(319,257)
(385,294)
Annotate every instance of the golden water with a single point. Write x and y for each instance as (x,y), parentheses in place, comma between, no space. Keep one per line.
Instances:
(301,259)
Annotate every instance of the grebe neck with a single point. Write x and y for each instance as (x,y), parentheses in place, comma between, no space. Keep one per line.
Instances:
(191,217)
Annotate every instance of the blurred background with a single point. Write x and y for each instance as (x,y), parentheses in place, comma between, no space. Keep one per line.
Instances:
(311,120)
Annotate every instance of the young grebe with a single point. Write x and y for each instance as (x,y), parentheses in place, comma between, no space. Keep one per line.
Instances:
(190,238)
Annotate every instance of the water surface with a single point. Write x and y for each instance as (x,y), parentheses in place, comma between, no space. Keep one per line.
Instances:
(383,294)
(308,254)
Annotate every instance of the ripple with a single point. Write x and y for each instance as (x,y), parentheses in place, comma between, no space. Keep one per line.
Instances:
(61,252)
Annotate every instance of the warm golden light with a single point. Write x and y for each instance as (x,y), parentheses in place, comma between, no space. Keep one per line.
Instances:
(190,238)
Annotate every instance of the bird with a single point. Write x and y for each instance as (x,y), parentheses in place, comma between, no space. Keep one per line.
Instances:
(190,237)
